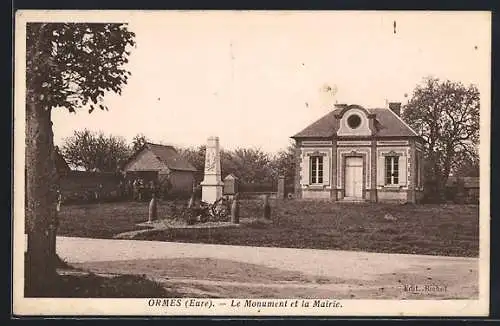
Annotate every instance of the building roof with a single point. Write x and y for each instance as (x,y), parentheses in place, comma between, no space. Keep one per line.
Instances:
(230,176)
(387,123)
(168,155)
(61,164)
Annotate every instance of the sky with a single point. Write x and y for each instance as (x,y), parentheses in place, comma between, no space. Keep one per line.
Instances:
(254,79)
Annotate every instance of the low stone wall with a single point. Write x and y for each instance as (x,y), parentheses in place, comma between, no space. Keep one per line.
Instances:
(256,190)
(257,195)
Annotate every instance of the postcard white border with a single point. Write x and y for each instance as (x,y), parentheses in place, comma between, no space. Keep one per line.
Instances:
(130,307)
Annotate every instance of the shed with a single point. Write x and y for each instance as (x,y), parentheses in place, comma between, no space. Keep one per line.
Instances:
(463,189)
(163,165)
(230,184)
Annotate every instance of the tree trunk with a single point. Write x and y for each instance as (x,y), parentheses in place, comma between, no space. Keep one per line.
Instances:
(41,190)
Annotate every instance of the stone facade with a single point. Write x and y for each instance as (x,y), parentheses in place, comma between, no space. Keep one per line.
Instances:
(357,154)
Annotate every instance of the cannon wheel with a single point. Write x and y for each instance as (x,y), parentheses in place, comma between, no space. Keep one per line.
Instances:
(215,213)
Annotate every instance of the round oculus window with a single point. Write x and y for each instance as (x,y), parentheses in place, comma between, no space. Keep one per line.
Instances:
(354,121)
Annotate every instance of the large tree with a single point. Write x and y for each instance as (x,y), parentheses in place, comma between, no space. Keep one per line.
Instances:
(95,151)
(68,66)
(446,115)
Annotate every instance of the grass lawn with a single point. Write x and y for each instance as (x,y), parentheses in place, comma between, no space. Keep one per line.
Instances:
(451,230)
(104,220)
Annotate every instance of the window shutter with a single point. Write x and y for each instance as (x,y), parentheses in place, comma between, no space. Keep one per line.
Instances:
(326,169)
(381,171)
(403,166)
(304,169)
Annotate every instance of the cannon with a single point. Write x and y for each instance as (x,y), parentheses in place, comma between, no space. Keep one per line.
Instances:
(206,212)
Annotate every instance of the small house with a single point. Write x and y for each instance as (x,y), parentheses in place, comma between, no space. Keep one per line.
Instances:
(163,165)
(358,154)
(463,189)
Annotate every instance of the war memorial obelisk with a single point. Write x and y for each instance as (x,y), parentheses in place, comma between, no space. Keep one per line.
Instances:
(212,184)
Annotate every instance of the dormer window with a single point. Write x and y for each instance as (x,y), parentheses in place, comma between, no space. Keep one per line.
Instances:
(354,121)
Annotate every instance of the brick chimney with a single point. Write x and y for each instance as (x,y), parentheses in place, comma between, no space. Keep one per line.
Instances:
(395,107)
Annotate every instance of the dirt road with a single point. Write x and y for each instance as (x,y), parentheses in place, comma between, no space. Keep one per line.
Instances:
(237,271)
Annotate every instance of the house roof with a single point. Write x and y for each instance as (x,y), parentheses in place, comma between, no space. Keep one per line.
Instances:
(387,123)
(168,155)
(61,164)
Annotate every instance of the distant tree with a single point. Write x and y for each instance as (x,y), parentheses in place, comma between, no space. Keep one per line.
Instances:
(283,163)
(446,115)
(250,165)
(195,156)
(138,141)
(95,151)
(228,163)
(68,66)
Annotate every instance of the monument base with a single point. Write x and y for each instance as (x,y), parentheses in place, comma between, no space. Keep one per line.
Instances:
(211,192)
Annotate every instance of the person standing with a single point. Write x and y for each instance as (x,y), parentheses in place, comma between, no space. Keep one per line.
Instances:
(128,190)
(59,201)
(135,188)
(100,191)
(120,189)
(140,184)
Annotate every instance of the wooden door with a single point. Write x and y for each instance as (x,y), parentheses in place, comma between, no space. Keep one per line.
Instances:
(354,177)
